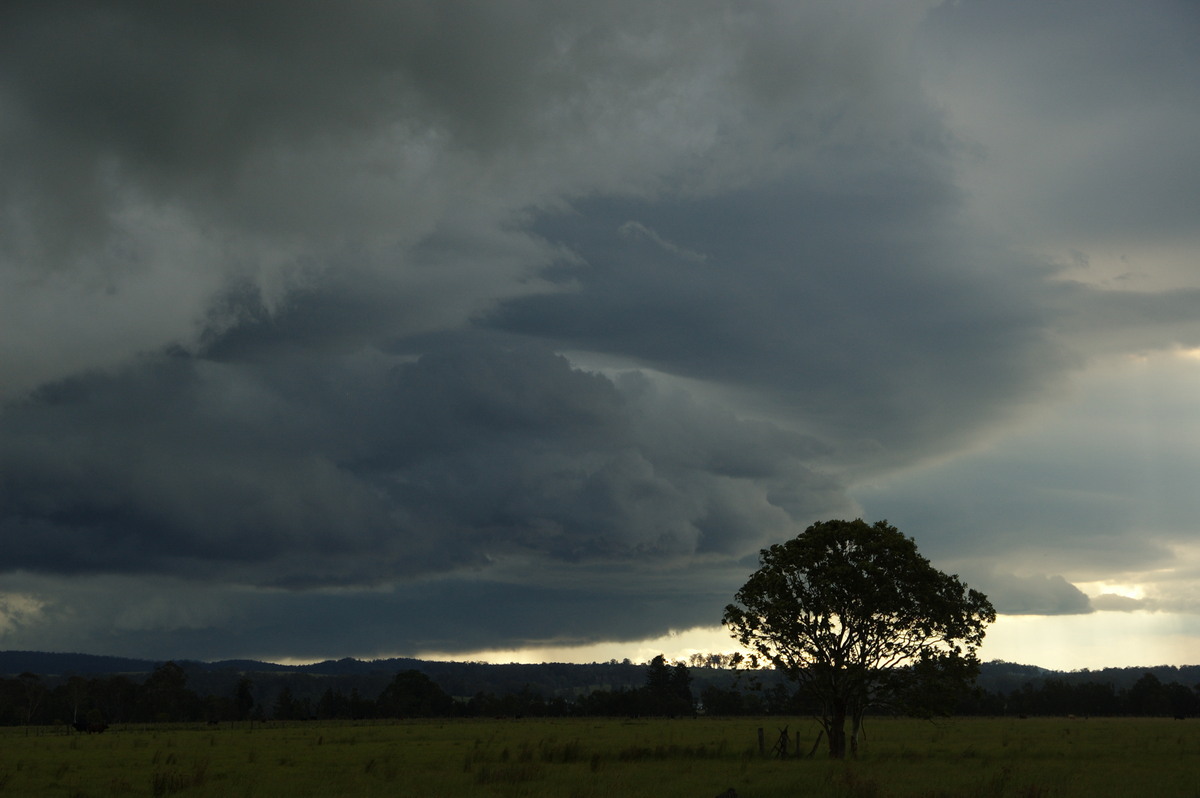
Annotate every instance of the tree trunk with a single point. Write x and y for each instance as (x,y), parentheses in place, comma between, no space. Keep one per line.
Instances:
(856,728)
(837,730)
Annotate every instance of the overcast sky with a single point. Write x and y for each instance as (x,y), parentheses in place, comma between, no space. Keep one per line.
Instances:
(398,328)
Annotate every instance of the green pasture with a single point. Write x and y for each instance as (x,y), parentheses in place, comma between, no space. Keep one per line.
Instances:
(596,758)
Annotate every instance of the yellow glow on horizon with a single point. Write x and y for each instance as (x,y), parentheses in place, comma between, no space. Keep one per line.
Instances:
(293,662)
(674,646)
(1096,640)
(1058,642)
(1127,590)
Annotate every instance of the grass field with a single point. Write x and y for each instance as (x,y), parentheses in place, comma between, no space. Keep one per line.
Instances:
(590,758)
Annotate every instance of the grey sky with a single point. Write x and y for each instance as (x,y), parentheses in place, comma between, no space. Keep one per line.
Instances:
(402,326)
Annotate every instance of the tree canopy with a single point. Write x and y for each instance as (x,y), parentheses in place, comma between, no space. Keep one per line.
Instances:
(860,619)
(412,694)
(668,688)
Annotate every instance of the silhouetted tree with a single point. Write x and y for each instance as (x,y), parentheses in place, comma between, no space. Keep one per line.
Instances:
(333,704)
(118,698)
(361,707)
(719,701)
(859,618)
(681,687)
(1181,701)
(1095,698)
(412,694)
(1148,697)
(34,691)
(77,690)
(286,707)
(164,695)
(243,698)
(667,690)
(658,675)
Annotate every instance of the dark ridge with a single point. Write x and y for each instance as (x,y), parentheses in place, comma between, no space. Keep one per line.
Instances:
(466,678)
(53,664)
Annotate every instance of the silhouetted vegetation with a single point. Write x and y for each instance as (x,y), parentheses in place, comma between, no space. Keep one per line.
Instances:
(193,692)
(862,623)
(1082,695)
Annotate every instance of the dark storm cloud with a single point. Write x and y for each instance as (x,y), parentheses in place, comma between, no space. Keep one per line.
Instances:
(528,501)
(191,91)
(285,292)
(458,613)
(822,299)
(1033,595)
(357,471)
(242,249)
(158,155)
(1061,503)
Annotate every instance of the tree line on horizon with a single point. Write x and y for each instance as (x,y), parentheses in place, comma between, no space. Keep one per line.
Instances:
(668,690)
(164,696)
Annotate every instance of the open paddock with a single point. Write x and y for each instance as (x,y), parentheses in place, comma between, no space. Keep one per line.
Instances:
(597,758)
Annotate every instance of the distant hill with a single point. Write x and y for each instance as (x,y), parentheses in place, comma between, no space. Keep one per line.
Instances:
(469,678)
(52,664)
(46,663)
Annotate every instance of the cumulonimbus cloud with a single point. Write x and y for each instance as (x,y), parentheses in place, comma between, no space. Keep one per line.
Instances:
(285,292)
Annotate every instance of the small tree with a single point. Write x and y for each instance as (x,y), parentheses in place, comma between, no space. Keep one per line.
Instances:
(286,705)
(855,615)
(77,691)
(164,695)
(668,688)
(658,675)
(243,698)
(412,694)
(35,691)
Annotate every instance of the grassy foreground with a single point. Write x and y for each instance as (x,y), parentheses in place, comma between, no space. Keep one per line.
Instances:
(590,758)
